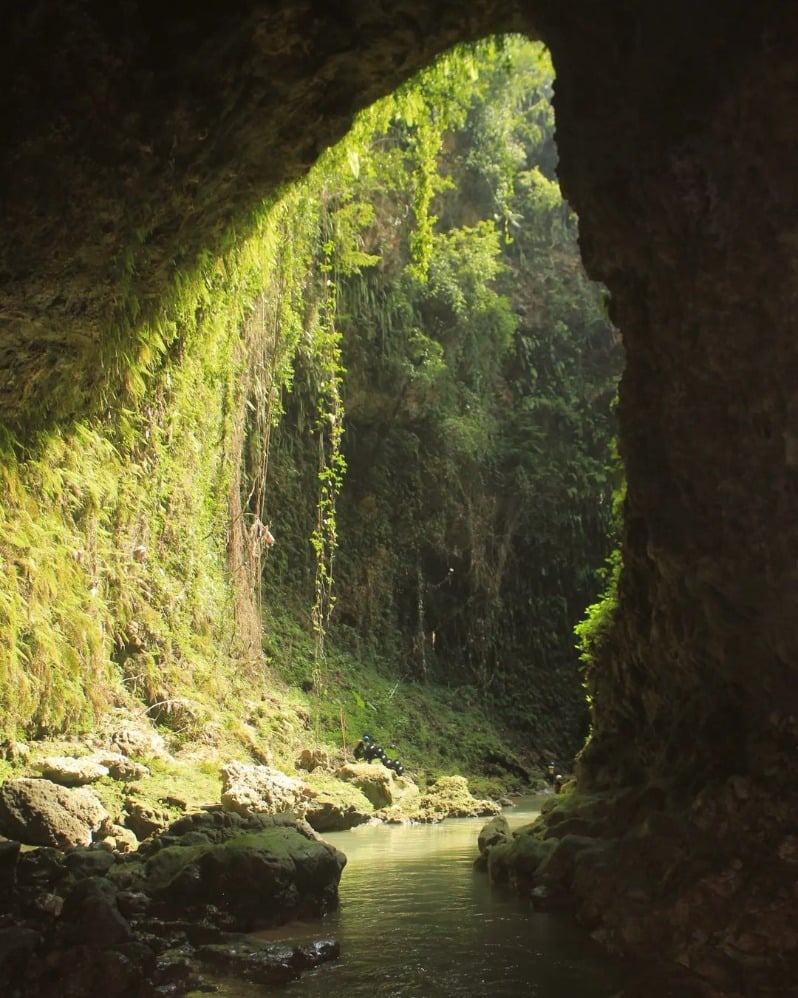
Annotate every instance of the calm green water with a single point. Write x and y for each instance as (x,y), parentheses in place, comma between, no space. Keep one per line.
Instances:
(416,921)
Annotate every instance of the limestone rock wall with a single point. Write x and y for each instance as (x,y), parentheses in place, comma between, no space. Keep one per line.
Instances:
(679,157)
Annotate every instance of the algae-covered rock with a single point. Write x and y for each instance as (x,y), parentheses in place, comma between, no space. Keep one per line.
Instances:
(312,759)
(516,860)
(120,767)
(331,805)
(497,830)
(450,797)
(144,819)
(259,871)
(374,780)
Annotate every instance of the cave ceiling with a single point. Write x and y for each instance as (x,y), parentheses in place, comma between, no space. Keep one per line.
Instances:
(138,135)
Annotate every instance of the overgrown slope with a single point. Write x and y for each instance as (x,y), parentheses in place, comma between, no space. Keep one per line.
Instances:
(371,317)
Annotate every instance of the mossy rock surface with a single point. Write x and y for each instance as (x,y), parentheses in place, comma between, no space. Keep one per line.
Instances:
(261,871)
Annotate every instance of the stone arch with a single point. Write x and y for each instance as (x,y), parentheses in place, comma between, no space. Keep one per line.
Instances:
(132,144)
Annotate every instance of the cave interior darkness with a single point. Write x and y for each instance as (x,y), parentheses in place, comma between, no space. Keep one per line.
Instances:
(151,129)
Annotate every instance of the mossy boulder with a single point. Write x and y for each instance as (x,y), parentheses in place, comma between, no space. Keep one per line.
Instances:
(450,797)
(494,833)
(375,781)
(260,871)
(332,805)
(515,860)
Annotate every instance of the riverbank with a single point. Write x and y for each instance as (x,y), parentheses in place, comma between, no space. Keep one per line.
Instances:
(126,864)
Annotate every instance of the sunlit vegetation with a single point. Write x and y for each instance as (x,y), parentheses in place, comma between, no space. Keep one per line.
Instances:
(401,370)
(480,373)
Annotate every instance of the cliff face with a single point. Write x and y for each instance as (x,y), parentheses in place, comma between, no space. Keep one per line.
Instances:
(676,153)
(682,182)
(132,146)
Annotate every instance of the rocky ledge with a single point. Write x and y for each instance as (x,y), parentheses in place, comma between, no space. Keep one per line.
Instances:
(160,920)
(667,883)
(101,891)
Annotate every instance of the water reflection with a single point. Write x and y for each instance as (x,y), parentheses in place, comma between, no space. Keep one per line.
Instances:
(416,921)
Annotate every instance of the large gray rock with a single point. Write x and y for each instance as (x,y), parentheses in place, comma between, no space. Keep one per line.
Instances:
(70,772)
(120,767)
(260,871)
(41,813)
(250,790)
(139,739)
(75,772)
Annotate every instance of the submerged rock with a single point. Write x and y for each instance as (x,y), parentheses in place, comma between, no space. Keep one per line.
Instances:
(266,963)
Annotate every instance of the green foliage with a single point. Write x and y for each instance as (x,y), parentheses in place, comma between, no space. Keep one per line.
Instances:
(591,632)
(332,465)
(420,289)
(124,539)
(480,369)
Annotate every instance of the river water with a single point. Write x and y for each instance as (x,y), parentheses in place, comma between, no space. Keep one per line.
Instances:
(416,921)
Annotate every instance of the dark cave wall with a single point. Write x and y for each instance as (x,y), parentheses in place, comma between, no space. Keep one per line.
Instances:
(134,141)
(679,156)
(137,138)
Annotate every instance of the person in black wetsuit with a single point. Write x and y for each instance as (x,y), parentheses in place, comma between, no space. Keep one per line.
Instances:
(362,746)
(368,750)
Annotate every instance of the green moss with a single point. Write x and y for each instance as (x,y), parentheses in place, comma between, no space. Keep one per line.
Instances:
(341,794)
(519,857)
(127,537)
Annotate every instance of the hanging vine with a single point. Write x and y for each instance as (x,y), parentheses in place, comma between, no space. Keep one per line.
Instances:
(332,464)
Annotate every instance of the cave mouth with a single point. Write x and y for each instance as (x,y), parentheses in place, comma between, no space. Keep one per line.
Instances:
(675,154)
(481,371)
